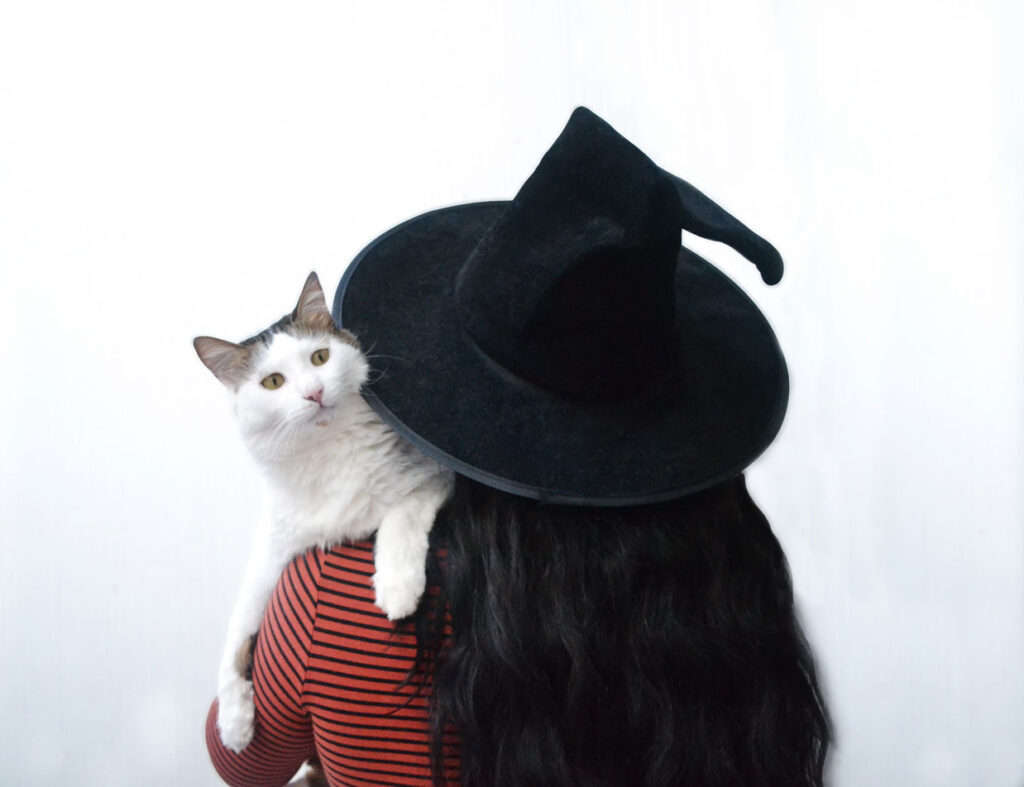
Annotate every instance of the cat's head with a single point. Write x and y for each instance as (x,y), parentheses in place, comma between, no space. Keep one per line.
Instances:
(292,380)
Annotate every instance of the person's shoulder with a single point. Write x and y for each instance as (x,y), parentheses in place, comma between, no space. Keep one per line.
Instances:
(324,581)
(350,562)
(313,560)
(357,551)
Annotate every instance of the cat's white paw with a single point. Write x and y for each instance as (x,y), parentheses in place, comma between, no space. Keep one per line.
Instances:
(398,595)
(235,712)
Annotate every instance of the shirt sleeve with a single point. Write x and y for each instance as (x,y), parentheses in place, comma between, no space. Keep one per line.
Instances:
(283,737)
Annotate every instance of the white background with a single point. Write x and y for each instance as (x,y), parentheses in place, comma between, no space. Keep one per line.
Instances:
(174,169)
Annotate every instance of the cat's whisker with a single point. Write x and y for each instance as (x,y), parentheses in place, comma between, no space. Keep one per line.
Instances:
(376,374)
(282,432)
(369,354)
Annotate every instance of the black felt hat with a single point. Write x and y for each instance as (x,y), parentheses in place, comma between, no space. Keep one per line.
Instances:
(564,346)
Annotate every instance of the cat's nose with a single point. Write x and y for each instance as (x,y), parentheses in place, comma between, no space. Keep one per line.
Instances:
(317,396)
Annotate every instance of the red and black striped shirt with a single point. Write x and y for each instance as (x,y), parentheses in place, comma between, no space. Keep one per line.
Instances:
(328,674)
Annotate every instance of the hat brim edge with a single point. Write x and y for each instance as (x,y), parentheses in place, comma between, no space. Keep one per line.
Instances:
(538,492)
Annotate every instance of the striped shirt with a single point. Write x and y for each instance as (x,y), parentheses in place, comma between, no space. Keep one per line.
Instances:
(328,670)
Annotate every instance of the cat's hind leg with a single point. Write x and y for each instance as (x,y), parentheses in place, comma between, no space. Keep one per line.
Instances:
(235,708)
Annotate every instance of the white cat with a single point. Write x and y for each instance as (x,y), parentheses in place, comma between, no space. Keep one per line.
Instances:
(333,472)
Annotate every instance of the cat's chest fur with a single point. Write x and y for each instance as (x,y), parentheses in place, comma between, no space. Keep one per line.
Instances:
(338,486)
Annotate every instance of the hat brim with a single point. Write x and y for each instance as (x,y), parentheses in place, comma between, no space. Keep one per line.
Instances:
(719,405)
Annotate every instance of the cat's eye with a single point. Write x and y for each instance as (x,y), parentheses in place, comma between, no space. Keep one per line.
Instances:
(320,357)
(273,381)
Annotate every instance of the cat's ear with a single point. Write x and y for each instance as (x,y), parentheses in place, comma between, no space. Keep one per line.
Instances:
(226,360)
(312,308)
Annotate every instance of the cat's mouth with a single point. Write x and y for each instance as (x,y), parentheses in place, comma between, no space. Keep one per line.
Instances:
(323,414)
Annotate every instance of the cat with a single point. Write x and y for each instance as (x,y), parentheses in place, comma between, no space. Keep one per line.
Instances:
(332,472)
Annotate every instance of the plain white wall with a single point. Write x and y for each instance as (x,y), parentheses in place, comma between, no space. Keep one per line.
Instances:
(174,169)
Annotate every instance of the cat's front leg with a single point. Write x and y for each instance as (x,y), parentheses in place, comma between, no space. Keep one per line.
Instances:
(235,708)
(400,555)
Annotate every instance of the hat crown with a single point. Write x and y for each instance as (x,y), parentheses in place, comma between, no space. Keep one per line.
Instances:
(511,337)
(572,287)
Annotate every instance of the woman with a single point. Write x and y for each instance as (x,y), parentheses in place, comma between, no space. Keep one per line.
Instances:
(608,605)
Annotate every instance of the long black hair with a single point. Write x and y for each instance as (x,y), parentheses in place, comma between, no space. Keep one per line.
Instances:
(652,645)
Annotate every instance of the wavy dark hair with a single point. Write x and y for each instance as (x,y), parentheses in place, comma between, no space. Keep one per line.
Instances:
(649,645)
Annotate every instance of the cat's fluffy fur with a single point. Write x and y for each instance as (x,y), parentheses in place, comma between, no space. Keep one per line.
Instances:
(333,472)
